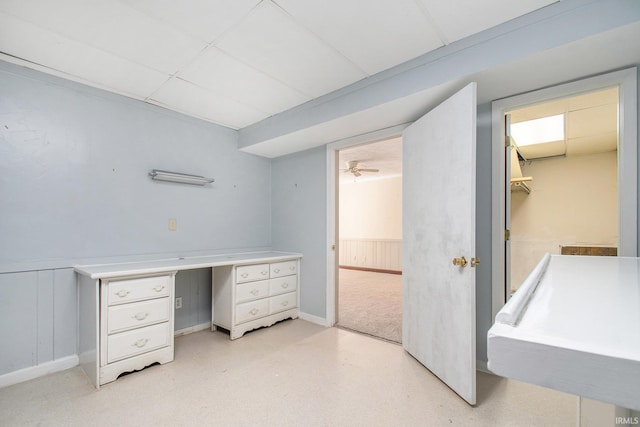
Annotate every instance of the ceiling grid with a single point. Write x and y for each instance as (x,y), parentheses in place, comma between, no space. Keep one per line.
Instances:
(235,62)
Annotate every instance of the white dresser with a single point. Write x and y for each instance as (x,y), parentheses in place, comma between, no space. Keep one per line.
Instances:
(247,297)
(132,325)
(126,314)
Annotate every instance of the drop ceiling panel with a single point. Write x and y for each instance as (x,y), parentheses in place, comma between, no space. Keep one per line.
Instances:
(233,79)
(375,34)
(591,144)
(113,27)
(461,18)
(204,19)
(78,60)
(271,41)
(593,99)
(592,121)
(199,102)
(539,111)
(547,149)
(134,36)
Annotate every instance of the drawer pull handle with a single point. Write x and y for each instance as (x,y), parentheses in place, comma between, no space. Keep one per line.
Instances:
(140,316)
(285,285)
(291,267)
(284,303)
(158,288)
(264,273)
(255,292)
(276,270)
(254,311)
(122,293)
(244,275)
(141,342)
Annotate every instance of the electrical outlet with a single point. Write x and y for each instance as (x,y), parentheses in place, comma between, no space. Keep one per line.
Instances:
(178,302)
(173,224)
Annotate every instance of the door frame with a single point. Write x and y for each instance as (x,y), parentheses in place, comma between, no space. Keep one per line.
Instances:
(332,208)
(627,81)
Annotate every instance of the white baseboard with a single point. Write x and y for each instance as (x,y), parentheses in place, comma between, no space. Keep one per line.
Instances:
(313,319)
(41,370)
(192,329)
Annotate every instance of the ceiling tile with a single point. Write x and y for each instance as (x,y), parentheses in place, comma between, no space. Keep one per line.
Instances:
(199,102)
(592,99)
(205,19)
(458,19)
(375,34)
(591,144)
(547,149)
(233,79)
(80,61)
(592,121)
(270,41)
(113,27)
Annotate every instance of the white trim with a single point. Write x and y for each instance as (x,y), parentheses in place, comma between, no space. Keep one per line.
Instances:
(627,81)
(313,319)
(37,371)
(192,329)
(332,230)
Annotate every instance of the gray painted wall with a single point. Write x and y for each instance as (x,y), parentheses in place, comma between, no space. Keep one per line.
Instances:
(74,188)
(299,220)
(74,184)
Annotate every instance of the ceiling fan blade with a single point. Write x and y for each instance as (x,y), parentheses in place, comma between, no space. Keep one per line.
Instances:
(357,173)
(369,170)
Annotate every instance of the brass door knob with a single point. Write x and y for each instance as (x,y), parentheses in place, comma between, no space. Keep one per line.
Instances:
(460,262)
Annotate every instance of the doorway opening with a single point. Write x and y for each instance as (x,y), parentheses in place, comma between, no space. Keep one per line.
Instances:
(563,164)
(369,224)
(626,154)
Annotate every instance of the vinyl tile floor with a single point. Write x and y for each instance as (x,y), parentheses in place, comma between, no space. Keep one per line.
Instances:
(294,373)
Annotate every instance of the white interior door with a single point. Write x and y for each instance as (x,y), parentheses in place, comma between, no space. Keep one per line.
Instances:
(439,304)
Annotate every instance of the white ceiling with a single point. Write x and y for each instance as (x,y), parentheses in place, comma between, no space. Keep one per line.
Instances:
(235,62)
(591,124)
(386,156)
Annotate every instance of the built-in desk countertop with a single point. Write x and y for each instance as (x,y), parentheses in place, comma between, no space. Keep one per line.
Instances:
(106,271)
(574,326)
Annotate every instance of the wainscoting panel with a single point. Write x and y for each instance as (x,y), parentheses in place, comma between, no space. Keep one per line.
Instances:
(375,254)
(39,313)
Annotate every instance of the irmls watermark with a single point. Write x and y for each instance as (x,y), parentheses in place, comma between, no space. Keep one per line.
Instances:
(627,421)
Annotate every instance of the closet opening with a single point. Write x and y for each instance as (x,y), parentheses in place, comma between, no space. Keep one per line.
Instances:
(563,195)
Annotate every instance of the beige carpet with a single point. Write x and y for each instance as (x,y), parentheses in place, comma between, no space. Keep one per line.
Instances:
(371,303)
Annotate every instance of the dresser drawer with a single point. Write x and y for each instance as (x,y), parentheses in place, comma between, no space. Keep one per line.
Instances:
(281,285)
(252,310)
(138,314)
(249,273)
(252,290)
(283,302)
(129,290)
(286,268)
(137,341)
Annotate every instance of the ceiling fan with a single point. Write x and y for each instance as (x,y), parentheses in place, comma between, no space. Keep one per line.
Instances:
(352,167)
